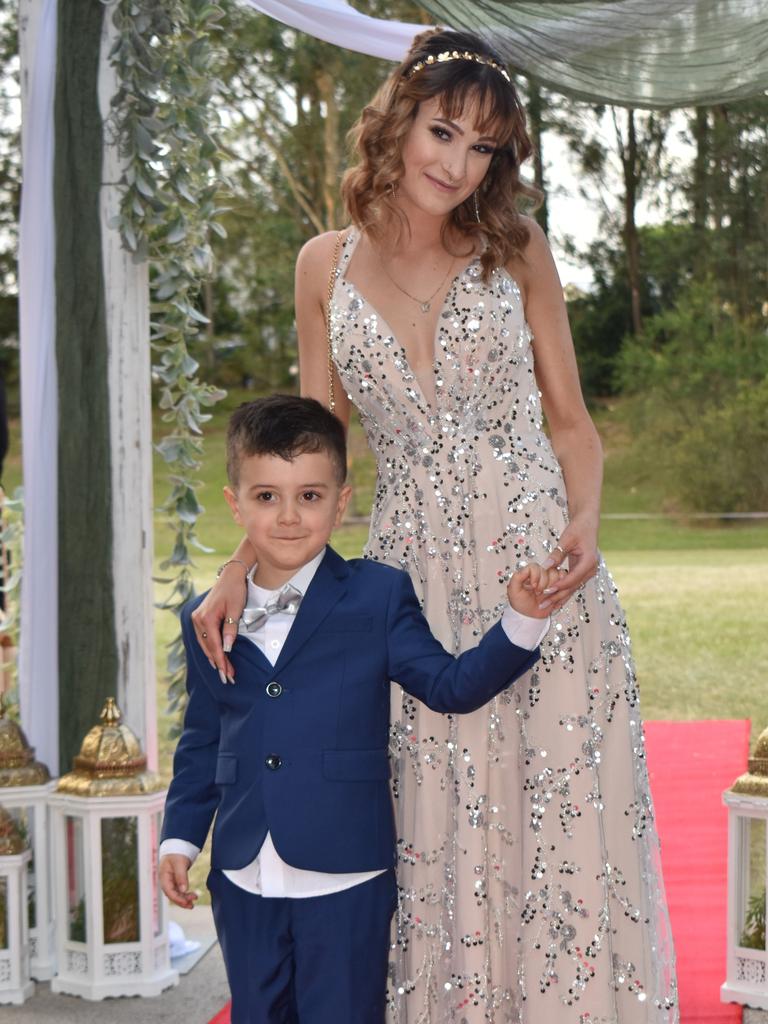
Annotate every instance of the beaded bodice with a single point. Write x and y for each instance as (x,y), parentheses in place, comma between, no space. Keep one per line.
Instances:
(462,457)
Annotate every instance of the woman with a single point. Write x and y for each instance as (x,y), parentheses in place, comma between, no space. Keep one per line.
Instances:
(528,860)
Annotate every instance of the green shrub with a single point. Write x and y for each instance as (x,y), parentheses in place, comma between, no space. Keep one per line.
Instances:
(721,463)
(697,377)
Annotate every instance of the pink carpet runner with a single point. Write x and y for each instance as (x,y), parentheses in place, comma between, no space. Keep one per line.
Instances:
(691,763)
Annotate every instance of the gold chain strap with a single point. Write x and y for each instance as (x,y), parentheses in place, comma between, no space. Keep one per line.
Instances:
(331,284)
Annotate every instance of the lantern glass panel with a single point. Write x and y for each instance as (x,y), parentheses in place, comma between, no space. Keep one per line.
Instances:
(752,905)
(25,822)
(75,879)
(120,878)
(3,912)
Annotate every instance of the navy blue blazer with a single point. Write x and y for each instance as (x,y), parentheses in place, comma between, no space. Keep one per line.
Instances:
(301,749)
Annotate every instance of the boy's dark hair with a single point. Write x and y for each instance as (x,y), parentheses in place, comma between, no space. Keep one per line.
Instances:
(286,426)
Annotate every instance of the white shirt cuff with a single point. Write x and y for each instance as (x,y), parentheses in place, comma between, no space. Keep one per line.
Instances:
(523,630)
(179,846)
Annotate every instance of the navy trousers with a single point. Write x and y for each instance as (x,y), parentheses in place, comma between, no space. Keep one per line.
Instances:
(318,960)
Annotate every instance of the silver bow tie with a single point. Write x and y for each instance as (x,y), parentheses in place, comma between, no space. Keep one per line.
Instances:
(286,600)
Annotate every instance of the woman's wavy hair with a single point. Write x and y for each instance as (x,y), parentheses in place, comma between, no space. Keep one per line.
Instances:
(369,187)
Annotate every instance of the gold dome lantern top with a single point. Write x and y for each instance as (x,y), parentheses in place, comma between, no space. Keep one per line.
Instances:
(754,782)
(12,840)
(111,761)
(18,766)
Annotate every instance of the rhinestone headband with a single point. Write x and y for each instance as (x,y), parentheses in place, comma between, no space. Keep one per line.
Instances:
(446,55)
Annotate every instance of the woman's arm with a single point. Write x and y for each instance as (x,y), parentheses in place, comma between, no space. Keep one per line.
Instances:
(313,268)
(225,601)
(574,437)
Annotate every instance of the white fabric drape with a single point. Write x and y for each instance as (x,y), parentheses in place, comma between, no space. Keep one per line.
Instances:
(38,658)
(334,21)
(638,53)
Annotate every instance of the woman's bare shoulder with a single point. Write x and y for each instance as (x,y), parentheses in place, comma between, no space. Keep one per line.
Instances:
(534,262)
(317,253)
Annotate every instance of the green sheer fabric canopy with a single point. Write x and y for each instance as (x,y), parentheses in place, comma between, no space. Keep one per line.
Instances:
(640,53)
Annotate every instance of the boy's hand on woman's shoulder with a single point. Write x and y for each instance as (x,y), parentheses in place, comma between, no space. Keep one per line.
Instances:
(528,589)
(174,880)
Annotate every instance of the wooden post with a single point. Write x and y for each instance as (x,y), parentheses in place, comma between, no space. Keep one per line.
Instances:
(127,308)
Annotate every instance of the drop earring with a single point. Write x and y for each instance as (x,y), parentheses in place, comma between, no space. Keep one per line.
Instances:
(477,206)
(392,189)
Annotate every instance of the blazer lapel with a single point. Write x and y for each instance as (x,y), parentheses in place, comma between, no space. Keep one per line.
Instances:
(328,586)
(245,650)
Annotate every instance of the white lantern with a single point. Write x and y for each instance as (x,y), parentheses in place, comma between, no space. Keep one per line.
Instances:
(111,917)
(15,983)
(747,803)
(25,786)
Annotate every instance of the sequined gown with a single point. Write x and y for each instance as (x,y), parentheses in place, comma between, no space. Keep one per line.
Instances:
(528,859)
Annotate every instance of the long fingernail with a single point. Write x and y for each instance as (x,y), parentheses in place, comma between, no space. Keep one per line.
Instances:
(227,644)
(231,679)
(548,564)
(548,590)
(222,676)
(212,663)
(544,604)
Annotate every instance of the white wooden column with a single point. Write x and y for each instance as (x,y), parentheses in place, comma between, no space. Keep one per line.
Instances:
(127,304)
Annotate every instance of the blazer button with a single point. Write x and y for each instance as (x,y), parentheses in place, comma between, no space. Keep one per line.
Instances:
(273,761)
(274,689)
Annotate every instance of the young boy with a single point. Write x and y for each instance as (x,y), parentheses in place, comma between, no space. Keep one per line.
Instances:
(292,759)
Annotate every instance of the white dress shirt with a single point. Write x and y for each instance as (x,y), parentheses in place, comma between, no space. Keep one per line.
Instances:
(268,874)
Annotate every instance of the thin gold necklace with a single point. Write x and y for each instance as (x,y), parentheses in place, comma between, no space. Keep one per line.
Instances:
(426,304)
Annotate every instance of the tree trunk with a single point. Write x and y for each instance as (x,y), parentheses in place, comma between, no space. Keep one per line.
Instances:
(325,86)
(536,107)
(700,185)
(631,241)
(210,327)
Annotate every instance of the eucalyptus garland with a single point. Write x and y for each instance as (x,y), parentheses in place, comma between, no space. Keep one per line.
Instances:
(11,555)
(164,55)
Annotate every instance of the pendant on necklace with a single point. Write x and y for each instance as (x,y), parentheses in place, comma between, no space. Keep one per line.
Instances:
(425,306)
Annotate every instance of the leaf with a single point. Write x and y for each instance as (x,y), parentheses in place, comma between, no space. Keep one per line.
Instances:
(129,236)
(200,547)
(177,232)
(141,254)
(189,366)
(165,291)
(144,141)
(191,312)
(145,187)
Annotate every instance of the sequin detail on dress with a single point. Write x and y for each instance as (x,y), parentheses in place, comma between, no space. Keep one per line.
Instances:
(530,888)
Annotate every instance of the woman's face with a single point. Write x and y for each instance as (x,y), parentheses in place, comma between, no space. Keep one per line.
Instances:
(444,160)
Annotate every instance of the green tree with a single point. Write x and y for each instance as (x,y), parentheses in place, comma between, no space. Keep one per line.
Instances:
(601,318)
(611,144)
(727,189)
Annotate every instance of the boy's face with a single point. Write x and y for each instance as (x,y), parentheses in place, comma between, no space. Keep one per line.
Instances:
(288,509)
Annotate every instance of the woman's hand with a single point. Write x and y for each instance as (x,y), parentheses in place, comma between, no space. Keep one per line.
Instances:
(215,620)
(577,551)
